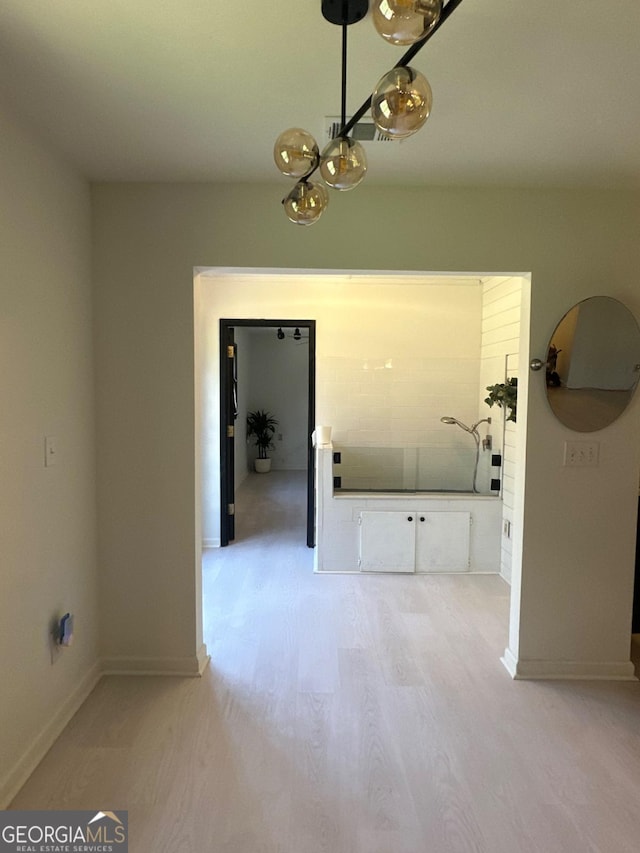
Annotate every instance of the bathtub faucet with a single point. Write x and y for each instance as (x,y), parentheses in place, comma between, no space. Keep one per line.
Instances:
(473,431)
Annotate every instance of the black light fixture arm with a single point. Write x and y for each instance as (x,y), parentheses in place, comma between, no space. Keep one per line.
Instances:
(343,100)
(446,13)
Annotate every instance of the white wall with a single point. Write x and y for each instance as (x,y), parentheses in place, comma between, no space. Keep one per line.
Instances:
(279,383)
(571,594)
(47,517)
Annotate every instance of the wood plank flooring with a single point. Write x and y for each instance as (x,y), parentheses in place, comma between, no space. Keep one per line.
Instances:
(350,714)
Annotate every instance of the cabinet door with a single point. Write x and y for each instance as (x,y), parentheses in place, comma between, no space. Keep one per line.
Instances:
(387,541)
(442,541)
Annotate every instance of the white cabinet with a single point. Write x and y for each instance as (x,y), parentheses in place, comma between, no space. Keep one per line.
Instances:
(442,541)
(387,541)
(414,542)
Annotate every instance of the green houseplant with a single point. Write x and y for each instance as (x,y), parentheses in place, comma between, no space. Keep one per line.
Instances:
(262,425)
(504,395)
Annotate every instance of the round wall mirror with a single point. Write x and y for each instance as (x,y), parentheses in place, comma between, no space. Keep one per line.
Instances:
(593,364)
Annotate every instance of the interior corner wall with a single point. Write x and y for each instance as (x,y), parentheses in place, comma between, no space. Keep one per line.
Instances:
(578,525)
(47,523)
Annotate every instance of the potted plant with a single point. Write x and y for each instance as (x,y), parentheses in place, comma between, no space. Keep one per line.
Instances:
(504,395)
(262,425)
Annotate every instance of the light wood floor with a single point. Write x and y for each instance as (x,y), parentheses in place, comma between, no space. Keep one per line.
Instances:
(350,714)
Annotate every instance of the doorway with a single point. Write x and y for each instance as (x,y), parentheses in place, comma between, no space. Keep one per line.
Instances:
(302,332)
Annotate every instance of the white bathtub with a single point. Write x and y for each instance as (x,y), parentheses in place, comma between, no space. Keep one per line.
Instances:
(403,531)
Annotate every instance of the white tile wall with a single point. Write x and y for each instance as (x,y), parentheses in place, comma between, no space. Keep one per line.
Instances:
(396,402)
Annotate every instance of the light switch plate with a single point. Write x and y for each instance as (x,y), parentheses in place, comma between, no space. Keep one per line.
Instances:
(581,454)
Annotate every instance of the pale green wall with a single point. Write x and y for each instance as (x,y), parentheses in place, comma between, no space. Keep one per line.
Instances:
(577,572)
(47,515)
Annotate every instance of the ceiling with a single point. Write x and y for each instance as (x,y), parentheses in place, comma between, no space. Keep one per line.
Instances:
(525,94)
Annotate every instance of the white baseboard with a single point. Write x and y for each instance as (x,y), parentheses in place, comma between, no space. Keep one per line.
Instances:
(18,775)
(211,543)
(510,662)
(203,658)
(185,667)
(568,670)
(192,666)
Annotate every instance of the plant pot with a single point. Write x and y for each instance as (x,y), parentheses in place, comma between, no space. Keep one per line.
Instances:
(263,466)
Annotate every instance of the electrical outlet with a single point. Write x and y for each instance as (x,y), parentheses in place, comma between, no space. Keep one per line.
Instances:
(55,649)
(50,450)
(582,454)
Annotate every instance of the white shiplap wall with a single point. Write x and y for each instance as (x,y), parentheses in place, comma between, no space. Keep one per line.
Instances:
(500,344)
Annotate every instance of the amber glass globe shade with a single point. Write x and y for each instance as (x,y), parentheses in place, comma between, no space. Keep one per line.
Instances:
(306,202)
(343,164)
(405,21)
(296,152)
(401,102)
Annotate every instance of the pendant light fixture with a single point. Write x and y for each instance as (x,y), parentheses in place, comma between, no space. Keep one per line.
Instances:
(400,103)
(343,163)
(306,202)
(405,21)
(296,153)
